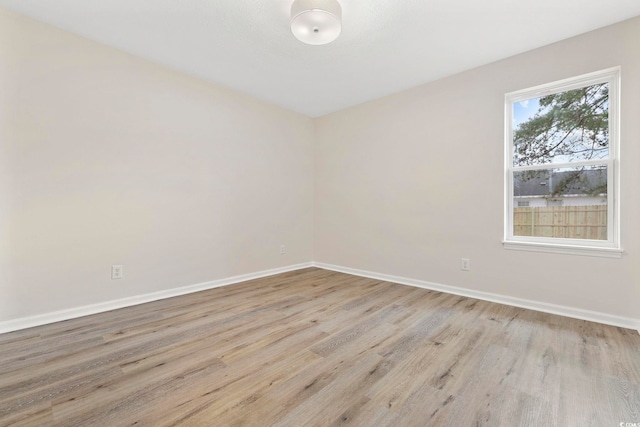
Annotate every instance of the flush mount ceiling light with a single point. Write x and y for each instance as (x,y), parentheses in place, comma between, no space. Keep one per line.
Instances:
(316,21)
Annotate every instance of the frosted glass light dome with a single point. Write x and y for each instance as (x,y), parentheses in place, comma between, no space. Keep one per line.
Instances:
(316,22)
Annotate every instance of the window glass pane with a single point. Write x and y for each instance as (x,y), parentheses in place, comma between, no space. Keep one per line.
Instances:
(562,127)
(568,203)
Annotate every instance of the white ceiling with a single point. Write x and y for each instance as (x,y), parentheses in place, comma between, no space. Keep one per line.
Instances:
(386,45)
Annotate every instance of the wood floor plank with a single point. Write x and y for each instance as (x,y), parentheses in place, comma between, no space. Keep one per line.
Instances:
(320,348)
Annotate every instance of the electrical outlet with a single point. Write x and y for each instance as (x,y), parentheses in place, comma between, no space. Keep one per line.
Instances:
(283,250)
(116,272)
(465,264)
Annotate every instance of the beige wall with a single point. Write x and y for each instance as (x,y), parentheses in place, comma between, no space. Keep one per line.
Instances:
(109,159)
(409,184)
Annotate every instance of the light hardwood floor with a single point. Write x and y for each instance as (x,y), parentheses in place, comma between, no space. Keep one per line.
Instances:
(320,348)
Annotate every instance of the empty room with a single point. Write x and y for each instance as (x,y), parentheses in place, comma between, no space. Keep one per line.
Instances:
(319,212)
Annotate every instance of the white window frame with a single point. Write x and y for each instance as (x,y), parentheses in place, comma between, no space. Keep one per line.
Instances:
(604,248)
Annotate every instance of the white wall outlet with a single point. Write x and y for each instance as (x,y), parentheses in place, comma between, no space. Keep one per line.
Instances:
(465,264)
(283,250)
(116,272)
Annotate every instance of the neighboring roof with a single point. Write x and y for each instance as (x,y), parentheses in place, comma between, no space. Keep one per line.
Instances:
(566,183)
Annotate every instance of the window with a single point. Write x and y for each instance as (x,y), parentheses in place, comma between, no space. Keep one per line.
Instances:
(561,148)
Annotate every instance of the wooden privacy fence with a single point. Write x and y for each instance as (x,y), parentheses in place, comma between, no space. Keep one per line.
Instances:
(570,222)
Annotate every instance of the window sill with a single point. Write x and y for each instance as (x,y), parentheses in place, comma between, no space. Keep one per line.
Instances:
(564,249)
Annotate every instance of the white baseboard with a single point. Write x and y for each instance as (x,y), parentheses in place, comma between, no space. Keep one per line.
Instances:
(57,316)
(72,313)
(577,313)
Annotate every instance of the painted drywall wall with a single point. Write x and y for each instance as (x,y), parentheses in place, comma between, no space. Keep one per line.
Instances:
(109,159)
(409,184)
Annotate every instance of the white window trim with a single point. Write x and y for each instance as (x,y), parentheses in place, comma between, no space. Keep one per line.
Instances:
(609,248)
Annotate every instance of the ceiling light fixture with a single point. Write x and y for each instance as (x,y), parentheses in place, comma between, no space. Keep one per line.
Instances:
(316,21)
